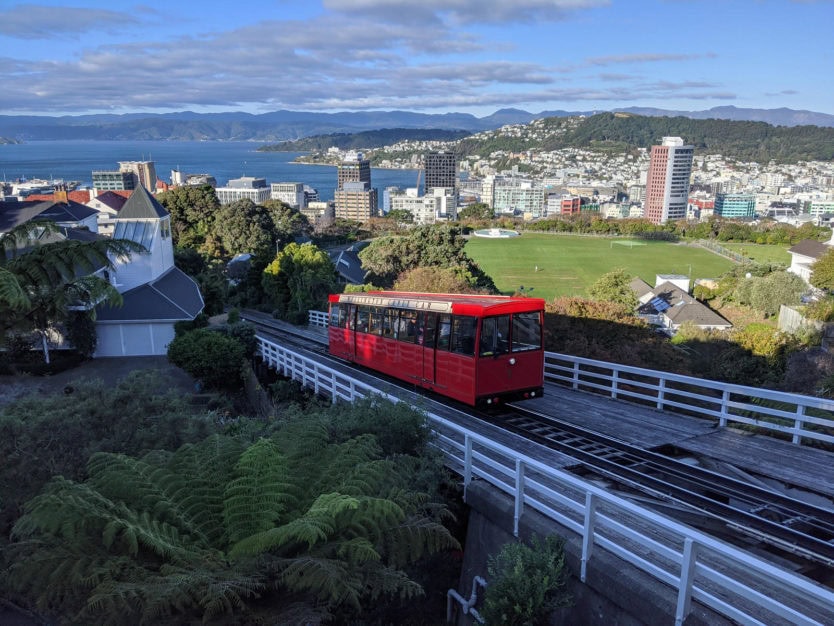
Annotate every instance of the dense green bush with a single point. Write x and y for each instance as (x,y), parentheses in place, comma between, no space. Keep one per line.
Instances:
(45,435)
(213,358)
(526,583)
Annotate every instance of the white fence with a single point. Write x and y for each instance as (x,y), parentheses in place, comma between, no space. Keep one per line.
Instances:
(783,414)
(789,415)
(717,575)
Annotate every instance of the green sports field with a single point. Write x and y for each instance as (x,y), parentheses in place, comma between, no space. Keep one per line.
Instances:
(564,265)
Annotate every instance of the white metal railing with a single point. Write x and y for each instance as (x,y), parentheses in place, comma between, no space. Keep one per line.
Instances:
(797,416)
(730,581)
(318,318)
(800,417)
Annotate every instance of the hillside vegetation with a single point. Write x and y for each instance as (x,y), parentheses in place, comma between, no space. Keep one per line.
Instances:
(365,139)
(623,132)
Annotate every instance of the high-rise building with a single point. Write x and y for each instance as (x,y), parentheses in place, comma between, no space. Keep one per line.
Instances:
(441,170)
(356,200)
(354,197)
(143,171)
(667,181)
(355,168)
(735,205)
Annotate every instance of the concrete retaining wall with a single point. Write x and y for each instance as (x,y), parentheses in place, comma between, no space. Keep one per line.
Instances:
(616,594)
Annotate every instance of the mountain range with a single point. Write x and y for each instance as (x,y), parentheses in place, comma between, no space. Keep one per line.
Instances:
(290,125)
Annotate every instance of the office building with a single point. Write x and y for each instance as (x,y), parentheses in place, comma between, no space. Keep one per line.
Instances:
(735,205)
(441,171)
(144,173)
(246,187)
(291,194)
(356,200)
(109,180)
(667,181)
(354,197)
(355,168)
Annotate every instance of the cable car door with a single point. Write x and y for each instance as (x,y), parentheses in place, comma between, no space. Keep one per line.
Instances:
(427,324)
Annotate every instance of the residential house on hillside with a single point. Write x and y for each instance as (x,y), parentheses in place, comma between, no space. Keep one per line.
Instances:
(156,294)
(108,204)
(805,254)
(67,215)
(669,306)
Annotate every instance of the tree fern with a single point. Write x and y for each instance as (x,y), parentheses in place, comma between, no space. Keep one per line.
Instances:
(255,499)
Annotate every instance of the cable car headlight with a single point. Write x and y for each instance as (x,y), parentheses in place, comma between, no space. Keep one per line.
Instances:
(512,361)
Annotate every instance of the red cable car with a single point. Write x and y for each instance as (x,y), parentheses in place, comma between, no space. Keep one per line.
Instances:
(481,350)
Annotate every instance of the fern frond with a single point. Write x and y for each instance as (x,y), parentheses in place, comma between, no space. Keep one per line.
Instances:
(415,538)
(329,580)
(314,527)
(340,460)
(389,582)
(145,486)
(357,550)
(260,494)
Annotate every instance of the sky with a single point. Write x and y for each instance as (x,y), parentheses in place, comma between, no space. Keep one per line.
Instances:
(432,56)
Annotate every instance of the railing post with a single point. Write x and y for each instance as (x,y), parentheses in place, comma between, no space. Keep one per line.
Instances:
(576,374)
(690,555)
(661,393)
(467,465)
(798,424)
(588,533)
(519,494)
(725,399)
(614,378)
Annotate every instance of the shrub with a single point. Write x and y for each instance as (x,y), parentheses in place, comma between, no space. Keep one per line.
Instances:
(213,358)
(526,583)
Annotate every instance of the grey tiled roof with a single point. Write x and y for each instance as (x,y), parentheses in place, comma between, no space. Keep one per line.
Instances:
(811,248)
(141,205)
(174,296)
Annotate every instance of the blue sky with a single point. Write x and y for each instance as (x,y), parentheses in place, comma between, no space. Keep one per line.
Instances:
(91,56)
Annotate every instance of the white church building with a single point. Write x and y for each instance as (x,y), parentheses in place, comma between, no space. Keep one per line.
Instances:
(155,294)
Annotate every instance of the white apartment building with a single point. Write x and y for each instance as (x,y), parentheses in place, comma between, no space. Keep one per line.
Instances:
(424,209)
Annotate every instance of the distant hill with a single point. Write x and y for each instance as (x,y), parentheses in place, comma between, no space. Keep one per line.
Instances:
(365,139)
(292,125)
(623,132)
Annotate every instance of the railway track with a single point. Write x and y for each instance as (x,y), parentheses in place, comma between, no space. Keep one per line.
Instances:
(742,512)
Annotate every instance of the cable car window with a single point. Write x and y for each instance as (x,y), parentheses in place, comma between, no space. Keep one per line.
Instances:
(349,312)
(407,327)
(390,323)
(362,319)
(463,334)
(444,332)
(527,331)
(426,329)
(494,334)
(376,320)
(335,319)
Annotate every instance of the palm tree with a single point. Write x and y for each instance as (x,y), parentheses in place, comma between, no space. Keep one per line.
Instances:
(40,282)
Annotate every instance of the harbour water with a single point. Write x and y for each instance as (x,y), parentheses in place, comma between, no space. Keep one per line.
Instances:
(76,160)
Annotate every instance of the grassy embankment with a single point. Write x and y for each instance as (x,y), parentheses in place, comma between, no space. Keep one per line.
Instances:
(568,265)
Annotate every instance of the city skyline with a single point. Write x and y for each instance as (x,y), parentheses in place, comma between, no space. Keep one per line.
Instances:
(433,56)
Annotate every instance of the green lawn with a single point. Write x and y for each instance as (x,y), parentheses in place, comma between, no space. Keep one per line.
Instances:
(568,265)
(761,253)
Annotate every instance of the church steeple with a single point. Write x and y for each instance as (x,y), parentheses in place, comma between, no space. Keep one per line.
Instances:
(141,205)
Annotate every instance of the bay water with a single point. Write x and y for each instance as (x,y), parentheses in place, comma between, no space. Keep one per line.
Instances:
(76,160)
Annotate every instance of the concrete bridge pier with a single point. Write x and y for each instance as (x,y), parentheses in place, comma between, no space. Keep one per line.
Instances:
(615,594)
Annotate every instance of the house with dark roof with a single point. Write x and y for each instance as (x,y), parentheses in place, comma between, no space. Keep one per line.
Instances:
(669,306)
(67,215)
(805,254)
(156,295)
